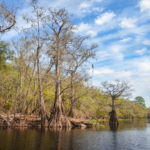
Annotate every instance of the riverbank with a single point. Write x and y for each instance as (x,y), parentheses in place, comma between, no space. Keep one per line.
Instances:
(33,121)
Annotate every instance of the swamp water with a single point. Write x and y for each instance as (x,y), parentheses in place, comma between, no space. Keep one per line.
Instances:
(129,136)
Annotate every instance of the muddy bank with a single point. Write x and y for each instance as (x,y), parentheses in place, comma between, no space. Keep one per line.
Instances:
(33,121)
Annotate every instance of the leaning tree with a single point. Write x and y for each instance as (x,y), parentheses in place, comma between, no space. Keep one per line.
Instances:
(115,90)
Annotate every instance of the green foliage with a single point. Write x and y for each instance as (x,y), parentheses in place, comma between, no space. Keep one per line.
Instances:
(5,54)
(92,104)
(140,100)
(19,88)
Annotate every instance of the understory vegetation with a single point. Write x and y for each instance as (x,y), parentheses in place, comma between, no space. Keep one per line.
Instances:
(91,104)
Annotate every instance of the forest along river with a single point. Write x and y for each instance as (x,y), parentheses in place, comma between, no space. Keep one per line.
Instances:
(129,136)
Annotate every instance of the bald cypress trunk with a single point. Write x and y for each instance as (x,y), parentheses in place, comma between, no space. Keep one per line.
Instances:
(58,117)
(42,105)
(113,121)
(72,109)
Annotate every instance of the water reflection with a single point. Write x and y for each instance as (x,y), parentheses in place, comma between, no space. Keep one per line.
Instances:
(113,127)
(130,135)
(114,138)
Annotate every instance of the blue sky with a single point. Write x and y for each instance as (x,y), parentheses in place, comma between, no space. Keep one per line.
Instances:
(121,28)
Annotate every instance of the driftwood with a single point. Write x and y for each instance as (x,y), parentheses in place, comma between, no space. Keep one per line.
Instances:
(19,120)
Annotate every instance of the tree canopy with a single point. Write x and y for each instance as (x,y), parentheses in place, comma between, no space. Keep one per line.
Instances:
(140,100)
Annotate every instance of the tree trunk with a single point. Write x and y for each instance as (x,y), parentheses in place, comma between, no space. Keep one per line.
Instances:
(58,117)
(113,121)
(42,106)
(113,104)
(72,111)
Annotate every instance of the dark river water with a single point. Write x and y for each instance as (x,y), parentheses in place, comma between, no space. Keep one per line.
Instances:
(129,136)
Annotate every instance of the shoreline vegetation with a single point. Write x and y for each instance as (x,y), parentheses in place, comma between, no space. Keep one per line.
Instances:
(44,74)
(34,121)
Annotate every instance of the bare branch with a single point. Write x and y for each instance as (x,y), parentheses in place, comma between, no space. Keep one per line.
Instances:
(116,89)
(7,19)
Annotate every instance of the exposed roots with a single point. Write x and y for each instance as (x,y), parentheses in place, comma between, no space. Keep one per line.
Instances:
(58,118)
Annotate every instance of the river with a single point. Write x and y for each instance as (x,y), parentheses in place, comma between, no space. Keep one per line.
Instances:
(129,136)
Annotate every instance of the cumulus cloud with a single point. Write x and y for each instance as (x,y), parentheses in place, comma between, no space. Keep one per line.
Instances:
(86,29)
(83,27)
(144,5)
(128,23)
(104,18)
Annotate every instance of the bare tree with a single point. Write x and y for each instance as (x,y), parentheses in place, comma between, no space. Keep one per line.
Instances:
(115,90)
(36,33)
(7,18)
(61,30)
(80,54)
(25,65)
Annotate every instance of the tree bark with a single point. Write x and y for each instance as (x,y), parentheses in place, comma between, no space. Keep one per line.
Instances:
(113,104)
(113,121)
(58,117)
(72,109)
(42,109)
(42,106)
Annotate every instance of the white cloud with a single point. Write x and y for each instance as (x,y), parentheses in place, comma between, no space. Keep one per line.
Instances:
(143,66)
(128,23)
(123,74)
(83,27)
(97,9)
(144,5)
(84,5)
(86,29)
(92,33)
(107,73)
(126,39)
(146,42)
(104,18)
(116,51)
(88,3)
(88,6)
(141,51)
(102,71)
